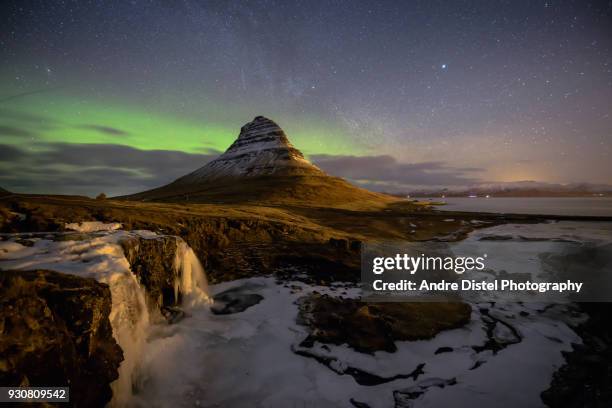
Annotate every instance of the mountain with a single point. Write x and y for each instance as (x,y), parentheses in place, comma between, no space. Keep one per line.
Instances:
(527,188)
(4,192)
(262,149)
(262,166)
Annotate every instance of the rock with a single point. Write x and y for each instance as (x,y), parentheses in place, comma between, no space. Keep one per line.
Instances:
(496,238)
(234,301)
(504,334)
(369,327)
(355,245)
(55,331)
(339,243)
(358,404)
(360,376)
(585,380)
(172,314)
(153,262)
(404,398)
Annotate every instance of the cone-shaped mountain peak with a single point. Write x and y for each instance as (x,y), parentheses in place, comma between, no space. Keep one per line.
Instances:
(261,149)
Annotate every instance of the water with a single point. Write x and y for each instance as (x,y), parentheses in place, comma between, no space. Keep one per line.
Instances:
(192,284)
(130,320)
(592,206)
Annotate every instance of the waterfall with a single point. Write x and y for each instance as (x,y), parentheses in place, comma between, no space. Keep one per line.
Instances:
(190,282)
(130,321)
(100,256)
(130,318)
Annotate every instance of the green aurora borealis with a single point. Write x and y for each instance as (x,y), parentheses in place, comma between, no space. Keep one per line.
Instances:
(67,118)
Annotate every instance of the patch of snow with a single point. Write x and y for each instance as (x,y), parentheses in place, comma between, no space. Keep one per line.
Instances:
(11,250)
(92,226)
(19,215)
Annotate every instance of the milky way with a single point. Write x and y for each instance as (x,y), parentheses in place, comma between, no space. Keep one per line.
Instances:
(463,92)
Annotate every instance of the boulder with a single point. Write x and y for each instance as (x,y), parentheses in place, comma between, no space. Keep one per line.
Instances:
(370,327)
(234,300)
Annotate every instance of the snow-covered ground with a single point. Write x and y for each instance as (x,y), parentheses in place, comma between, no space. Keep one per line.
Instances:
(504,357)
(93,226)
(248,359)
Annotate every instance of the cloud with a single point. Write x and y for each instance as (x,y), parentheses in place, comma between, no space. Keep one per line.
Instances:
(386,173)
(24,116)
(107,130)
(10,153)
(89,169)
(14,131)
(21,120)
(24,94)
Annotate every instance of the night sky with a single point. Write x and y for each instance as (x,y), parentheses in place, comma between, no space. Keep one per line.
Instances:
(127,95)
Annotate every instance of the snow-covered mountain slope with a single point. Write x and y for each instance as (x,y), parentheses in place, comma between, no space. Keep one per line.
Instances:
(262,149)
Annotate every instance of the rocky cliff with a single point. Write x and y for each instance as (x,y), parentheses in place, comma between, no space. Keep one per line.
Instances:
(85,323)
(153,263)
(55,330)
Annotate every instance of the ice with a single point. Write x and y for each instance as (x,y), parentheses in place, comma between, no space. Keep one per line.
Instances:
(248,359)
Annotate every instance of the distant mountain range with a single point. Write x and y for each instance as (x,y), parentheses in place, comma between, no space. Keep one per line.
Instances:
(520,189)
(262,166)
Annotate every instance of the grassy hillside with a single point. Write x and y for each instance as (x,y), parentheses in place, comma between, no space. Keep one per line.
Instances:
(310,190)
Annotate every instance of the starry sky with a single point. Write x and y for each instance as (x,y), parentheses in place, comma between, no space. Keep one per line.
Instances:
(121,96)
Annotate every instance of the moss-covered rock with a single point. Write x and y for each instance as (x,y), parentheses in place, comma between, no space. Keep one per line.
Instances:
(369,327)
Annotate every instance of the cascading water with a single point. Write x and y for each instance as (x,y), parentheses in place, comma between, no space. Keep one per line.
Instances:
(134,326)
(191,282)
(130,321)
